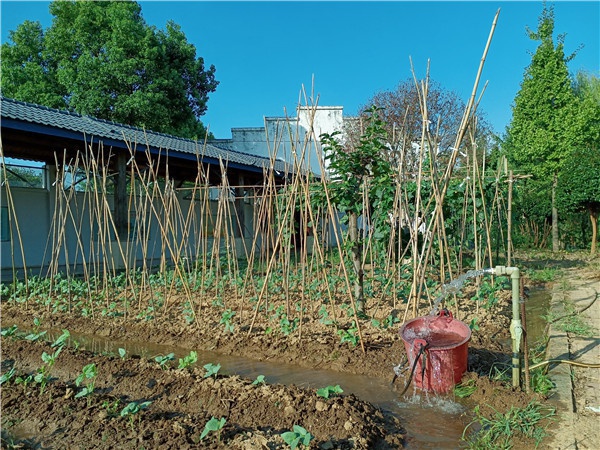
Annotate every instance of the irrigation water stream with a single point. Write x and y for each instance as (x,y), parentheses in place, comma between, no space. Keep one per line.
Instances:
(431,421)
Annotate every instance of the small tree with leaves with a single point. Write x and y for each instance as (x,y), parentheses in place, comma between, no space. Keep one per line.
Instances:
(361,185)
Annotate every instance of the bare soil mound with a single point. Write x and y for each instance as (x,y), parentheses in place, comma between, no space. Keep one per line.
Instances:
(180,403)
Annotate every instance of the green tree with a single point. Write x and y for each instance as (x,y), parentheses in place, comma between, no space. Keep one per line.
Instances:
(579,186)
(358,172)
(544,126)
(102,59)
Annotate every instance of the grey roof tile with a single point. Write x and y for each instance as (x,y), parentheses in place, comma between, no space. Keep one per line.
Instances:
(103,129)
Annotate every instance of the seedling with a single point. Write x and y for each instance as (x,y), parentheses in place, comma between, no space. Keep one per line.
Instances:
(43,375)
(122,353)
(188,360)
(132,409)
(297,437)
(211,370)
(9,331)
(163,360)
(62,339)
(89,372)
(226,320)
(111,407)
(473,324)
(6,376)
(213,425)
(259,380)
(24,380)
(350,335)
(328,391)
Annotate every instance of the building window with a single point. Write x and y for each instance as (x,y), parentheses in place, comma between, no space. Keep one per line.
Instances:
(21,173)
(4,224)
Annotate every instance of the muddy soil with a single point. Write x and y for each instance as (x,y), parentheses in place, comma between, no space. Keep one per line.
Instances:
(182,401)
(256,415)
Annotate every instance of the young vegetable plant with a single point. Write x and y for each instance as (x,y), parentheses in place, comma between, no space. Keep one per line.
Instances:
(329,391)
(351,335)
(226,318)
(132,409)
(213,425)
(122,353)
(9,331)
(297,437)
(7,376)
(211,370)
(259,380)
(89,372)
(43,373)
(188,360)
(62,339)
(163,360)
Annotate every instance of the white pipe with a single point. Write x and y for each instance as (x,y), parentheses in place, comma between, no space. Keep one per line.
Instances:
(516,327)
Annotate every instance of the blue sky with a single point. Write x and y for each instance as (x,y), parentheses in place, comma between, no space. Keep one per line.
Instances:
(265,52)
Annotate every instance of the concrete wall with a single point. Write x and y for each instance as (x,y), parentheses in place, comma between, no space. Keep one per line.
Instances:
(74,232)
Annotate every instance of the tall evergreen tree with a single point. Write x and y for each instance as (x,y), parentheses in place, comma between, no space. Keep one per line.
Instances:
(102,59)
(543,129)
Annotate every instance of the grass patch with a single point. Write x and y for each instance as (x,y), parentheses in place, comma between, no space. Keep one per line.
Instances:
(499,431)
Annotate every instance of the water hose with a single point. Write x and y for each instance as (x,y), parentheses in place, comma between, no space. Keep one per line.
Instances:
(565,361)
(412,371)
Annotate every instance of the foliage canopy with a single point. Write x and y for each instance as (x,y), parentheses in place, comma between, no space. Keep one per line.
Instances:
(102,59)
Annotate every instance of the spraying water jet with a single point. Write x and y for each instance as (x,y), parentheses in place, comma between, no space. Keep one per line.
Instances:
(437,344)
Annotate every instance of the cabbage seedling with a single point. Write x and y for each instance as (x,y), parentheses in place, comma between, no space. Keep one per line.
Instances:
(328,391)
(297,437)
(188,360)
(211,370)
(213,425)
(163,360)
(89,372)
(132,409)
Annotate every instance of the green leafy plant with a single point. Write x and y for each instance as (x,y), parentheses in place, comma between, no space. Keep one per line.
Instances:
(473,324)
(259,380)
(132,410)
(299,436)
(122,353)
(111,407)
(10,331)
(164,360)
(89,372)
(211,370)
(213,425)
(62,339)
(36,335)
(226,318)
(24,380)
(188,360)
(43,373)
(7,376)
(329,391)
(350,335)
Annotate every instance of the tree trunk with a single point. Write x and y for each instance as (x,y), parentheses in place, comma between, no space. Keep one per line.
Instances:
(356,262)
(555,243)
(594,219)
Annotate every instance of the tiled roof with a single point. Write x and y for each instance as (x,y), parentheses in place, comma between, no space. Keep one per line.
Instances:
(103,129)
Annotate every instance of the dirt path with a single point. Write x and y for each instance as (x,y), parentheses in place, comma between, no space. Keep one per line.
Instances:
(578,388)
